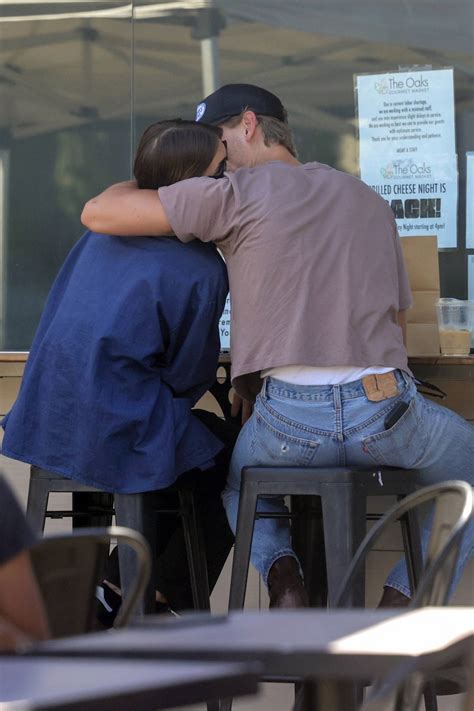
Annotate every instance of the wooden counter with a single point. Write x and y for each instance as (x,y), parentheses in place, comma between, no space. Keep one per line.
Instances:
(445,367)
(415,361)
(453,374)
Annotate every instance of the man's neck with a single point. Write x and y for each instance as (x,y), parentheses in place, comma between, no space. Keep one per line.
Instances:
(275,152)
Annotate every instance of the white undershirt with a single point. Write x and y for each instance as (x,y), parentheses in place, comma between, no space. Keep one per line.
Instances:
(309,375)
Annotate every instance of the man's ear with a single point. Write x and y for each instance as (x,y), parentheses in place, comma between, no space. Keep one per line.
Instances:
(250,123)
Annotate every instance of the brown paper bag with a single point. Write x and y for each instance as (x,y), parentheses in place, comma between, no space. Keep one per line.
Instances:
(421,259)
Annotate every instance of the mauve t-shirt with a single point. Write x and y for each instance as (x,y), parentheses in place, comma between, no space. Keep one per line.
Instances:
(315,266)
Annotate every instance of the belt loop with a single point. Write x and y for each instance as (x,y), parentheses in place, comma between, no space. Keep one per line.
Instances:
(406,377)
(263,391)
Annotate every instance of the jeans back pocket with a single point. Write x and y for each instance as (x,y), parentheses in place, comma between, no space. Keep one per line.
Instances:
(404,444)
(277,442)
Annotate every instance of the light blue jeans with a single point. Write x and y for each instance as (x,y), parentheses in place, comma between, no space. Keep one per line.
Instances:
(336,425)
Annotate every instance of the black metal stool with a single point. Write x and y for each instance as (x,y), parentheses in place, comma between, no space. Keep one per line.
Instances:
(343,493)
(137,511)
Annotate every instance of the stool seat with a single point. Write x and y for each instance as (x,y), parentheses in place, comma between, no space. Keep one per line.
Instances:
(343,492)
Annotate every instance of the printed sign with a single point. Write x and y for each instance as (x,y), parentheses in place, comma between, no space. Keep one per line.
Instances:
(470,202)
(470,288)
(407,148)
(470,277)
(224,326)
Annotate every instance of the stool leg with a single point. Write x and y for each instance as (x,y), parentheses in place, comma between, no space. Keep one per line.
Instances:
(412,546)
(243,545)
(307,536)
(196,551)
(429,697)
(38,495)
(136,511)
(344,519)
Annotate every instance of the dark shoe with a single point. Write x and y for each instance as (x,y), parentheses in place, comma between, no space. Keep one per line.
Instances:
(162,608)
(393,598)
(285,584)
(108,605)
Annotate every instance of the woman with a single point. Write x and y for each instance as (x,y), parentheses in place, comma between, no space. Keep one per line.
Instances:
(127,344)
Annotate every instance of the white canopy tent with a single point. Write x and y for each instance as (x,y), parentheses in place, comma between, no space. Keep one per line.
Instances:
(74,67)
(51,53)
(439,25)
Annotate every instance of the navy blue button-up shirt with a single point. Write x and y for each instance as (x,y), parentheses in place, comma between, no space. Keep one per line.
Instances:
(127,344)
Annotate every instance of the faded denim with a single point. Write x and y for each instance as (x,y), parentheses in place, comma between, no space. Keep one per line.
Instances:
(324,426)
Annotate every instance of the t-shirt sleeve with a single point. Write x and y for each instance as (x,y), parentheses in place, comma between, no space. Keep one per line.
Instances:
(201,207)
(15,532)
(404,291)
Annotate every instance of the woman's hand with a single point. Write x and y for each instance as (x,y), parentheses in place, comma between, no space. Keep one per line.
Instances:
(245,407)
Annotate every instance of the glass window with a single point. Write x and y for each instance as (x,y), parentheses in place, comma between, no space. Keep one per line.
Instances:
(65,88)
(80,80)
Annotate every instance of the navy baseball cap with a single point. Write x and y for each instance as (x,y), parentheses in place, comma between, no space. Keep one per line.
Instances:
(230,100)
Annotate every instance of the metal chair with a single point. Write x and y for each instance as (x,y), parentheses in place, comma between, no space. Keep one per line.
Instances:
(454,507)
(387,694)
(343,493)
(453,501)
(136,511)
(69,568)
(469,662)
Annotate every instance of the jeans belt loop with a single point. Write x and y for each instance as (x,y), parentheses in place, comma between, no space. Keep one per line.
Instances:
(406,377)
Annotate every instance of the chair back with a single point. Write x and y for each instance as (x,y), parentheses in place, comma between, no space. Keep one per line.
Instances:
(386,694)
(402,690)
(453,508)
(69,567)
(469,696)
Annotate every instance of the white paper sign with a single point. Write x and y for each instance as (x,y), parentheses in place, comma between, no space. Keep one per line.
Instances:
(224,326)
(470,277)
(470,286)
(470,202)
(407,148)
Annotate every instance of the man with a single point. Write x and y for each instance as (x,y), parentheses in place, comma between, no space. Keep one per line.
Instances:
(319,293)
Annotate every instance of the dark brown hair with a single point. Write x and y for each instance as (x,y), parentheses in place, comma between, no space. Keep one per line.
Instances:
(174,150)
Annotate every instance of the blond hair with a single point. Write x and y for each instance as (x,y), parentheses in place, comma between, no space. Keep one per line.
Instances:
(274,131)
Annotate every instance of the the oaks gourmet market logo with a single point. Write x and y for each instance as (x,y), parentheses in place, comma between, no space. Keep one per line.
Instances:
(388,85)
(400,169)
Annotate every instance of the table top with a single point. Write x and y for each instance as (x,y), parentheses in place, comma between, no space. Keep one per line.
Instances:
(343,644)
(41,684)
